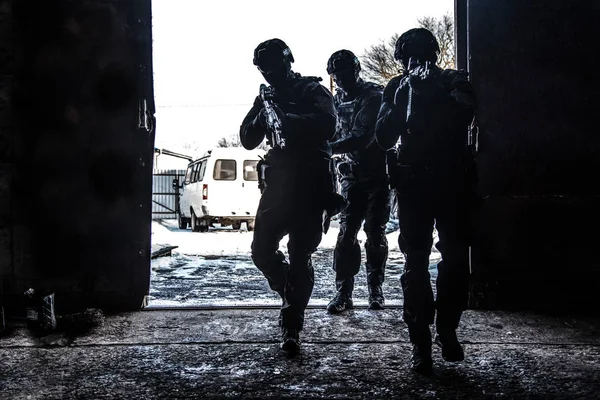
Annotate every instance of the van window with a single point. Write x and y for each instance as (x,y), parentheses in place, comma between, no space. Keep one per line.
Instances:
(195,172)
(198,171)
(250,170)
(188,174)
(202,170)
(225,170)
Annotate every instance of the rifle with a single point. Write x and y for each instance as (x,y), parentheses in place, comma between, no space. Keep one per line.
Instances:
(273,120)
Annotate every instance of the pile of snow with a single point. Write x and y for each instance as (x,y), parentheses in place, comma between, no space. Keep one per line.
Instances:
(221,241)
(218,242)
(230,242)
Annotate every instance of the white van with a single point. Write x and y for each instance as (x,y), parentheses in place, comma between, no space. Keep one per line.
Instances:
(222,187)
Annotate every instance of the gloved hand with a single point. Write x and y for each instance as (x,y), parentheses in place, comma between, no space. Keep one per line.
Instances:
(280,113)
(262,117)
(270,94)
(269,122)
(423,82)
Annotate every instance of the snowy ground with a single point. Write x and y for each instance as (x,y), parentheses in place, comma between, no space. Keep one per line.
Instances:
(215,268)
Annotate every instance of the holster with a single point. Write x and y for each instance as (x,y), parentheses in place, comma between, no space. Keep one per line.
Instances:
(391,164)
(399,175)
(335,202)
(262,168)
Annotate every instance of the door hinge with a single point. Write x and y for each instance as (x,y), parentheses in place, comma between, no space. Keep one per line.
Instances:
(143,117)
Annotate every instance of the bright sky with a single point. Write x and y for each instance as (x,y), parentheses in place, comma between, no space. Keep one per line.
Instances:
(204,79)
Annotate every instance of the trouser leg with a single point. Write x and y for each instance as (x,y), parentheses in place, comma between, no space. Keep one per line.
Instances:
(452,283)
(415,240)
(346,255)
(376,246)
(268,232)
(305,235)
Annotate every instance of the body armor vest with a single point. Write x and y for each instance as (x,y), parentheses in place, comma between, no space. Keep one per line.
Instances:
(346,113)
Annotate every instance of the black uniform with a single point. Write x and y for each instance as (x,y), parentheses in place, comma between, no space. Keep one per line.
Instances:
(434,186)
(363,185)
(299,186)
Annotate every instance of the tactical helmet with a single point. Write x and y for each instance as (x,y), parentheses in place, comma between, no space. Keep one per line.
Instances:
(271,53)
(342,60)
(417,42)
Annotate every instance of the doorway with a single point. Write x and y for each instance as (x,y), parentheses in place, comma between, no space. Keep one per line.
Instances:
(204,86)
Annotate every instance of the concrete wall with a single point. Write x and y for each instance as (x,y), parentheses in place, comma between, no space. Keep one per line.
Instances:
(7,162)
(533,66)
(80,172)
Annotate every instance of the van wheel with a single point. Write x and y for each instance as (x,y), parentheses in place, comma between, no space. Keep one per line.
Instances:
(236,225)
(250,225)
(195,223)
(182,222)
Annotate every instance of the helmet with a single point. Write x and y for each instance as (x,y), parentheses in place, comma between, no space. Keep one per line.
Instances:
(271,53)
(342,60)
(417,42)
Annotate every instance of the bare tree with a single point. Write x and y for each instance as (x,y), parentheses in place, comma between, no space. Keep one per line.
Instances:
(379,65)
(234,141)
(191,146)
(443,30)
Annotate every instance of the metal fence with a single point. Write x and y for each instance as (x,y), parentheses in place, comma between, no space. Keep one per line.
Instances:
(164,197)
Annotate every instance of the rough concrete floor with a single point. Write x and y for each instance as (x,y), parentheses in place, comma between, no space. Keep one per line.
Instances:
(363,354)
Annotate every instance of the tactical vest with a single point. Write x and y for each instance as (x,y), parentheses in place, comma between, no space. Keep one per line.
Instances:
(346,112)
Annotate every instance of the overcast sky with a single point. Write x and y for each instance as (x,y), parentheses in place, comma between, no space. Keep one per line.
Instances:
(204,79)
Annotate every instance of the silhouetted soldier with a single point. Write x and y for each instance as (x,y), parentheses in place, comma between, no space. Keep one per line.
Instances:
(363,182)
(430,110)
(297,116)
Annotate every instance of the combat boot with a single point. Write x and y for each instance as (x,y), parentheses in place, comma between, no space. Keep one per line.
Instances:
(446,324)
(290,340)
(421,361)
(376,299)
(340,302)
(451,349)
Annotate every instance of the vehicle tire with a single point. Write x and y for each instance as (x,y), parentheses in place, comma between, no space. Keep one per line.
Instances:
(195,223)
(250,225)
(236,225)
(181,221)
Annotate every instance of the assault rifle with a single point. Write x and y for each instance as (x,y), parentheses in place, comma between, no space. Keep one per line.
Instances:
(412,64)
(273,121)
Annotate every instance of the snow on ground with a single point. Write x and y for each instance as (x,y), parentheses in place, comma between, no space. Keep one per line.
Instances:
(215,268)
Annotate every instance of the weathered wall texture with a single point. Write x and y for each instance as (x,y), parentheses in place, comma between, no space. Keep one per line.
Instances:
(7,166)
(533,66)
(82,189)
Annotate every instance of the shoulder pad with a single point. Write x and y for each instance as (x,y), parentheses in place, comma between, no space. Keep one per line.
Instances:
(454,73)
(373,86)
(395,81)
(314,78)
(305,81)
(308,78)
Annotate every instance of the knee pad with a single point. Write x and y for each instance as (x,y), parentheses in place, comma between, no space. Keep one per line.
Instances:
(261,258)
(376,242)
(345,241)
